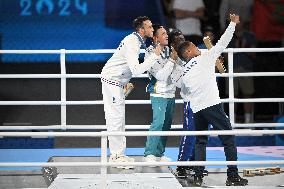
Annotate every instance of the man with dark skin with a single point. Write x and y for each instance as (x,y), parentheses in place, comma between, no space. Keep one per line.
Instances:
(199,79)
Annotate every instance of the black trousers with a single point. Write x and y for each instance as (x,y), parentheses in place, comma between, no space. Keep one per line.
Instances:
(215,116)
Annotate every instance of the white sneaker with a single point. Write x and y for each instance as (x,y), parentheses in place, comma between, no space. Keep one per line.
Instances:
(165,159)
(151,159)
(122,158)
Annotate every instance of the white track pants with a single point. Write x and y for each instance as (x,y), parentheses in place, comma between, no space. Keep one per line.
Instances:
(114,107)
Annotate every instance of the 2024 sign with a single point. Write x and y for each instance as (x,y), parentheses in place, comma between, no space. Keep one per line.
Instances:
(49,7)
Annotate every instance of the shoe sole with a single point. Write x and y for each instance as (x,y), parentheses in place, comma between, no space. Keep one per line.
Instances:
(205,174)
(123,167)
(196,184)
(181,177)
(228,184)
(152,166)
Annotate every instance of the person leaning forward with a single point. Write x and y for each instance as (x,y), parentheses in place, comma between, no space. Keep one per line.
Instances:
(116,73)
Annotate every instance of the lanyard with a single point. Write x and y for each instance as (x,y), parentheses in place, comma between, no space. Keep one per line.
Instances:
(143,45)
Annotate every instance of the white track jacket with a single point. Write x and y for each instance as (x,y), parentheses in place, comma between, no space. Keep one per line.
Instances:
(124,63)
(198,78)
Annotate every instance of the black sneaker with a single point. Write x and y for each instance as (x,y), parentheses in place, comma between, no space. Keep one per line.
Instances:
(205,172)
(197,180)
(236,180)
(190,168)
(181,172)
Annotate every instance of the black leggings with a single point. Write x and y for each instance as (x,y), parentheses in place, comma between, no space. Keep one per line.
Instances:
(215,116)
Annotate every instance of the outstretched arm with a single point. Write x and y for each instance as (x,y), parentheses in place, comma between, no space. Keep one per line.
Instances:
(225,39)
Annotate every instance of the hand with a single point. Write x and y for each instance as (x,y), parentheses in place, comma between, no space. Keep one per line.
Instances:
(158,49)
(127,89)
(235,18)
(174,54)
(220,65)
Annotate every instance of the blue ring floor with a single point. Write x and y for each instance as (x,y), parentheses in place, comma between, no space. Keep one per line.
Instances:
(213,154)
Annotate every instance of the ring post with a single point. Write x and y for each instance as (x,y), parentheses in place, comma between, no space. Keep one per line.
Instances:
(103,160)
(63,88)
(231,87)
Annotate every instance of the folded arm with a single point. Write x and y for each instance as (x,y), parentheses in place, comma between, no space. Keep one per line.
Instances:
(132,53)
(176,75)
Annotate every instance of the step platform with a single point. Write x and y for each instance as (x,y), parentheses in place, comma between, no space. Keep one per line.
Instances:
(117,181)
(89,177)
(139,177)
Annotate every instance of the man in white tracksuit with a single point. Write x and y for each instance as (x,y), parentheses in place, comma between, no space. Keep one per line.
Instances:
(200,87)
(115,75)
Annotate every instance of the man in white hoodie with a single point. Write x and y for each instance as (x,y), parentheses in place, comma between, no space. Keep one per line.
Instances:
(200,87)
(116,73)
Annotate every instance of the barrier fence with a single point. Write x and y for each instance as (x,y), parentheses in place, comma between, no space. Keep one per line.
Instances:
(63,76)
(104,163)
(103,134)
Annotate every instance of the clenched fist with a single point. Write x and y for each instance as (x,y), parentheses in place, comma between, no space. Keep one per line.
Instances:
(235,18)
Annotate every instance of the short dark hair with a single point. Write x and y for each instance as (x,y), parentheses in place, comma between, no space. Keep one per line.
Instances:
(156,27)
(138,22)
(174,34)
(182,48)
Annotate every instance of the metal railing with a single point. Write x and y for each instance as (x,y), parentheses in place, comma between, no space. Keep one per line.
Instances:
(104,163)
(63,76)
(104,134)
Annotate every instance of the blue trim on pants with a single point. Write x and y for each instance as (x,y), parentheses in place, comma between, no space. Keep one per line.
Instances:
(187,143)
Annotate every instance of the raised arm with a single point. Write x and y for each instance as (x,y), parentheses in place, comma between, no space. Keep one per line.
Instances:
(225,39)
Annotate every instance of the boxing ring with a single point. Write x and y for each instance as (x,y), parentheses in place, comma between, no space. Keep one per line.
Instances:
(107,177)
